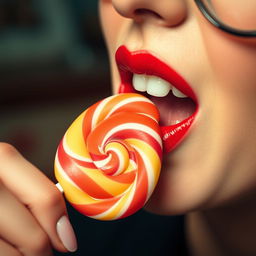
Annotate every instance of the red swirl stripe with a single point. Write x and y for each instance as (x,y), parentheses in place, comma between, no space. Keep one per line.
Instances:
(109,160)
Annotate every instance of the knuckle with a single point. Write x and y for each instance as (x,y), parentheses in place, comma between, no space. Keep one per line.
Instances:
(50,198)
(7,150)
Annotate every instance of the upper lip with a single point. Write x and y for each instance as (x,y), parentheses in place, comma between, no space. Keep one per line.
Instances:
(143,62)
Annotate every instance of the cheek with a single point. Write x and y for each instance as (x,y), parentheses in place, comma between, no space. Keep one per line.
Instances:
(233,62)
(111,23)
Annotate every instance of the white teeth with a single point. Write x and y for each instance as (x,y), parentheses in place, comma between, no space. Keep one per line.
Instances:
(154,86)
(178,93)
(158,87)
(139,82)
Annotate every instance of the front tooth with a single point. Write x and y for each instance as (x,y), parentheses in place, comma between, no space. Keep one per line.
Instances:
(158,87)
(178,93)
(139,82)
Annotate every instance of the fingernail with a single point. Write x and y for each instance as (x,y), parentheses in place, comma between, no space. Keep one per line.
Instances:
(66,234)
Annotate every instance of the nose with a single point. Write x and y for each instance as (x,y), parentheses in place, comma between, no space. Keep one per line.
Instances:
(165,12)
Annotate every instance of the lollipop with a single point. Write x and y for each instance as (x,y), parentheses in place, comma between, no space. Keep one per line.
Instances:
(109,159)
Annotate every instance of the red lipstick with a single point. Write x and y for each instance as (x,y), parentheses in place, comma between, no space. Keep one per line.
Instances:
(143,62)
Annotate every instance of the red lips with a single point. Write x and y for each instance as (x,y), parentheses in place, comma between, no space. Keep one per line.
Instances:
(142,62)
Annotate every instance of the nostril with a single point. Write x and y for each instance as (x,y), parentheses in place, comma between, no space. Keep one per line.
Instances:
(164,12)
(146,12)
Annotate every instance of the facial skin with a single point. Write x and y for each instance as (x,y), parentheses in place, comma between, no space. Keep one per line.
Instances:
(215,165)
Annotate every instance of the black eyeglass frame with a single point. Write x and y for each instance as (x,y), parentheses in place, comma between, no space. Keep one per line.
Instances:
(213,20)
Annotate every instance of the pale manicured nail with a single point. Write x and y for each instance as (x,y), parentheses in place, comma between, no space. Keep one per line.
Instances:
(66,234)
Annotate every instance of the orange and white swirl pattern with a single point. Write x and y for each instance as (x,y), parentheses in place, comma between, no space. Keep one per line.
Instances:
(109,160)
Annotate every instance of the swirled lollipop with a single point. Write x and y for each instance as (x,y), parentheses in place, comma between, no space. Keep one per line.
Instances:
(109,160)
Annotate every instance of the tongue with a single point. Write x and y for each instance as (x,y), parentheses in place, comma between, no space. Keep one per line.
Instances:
(173,109)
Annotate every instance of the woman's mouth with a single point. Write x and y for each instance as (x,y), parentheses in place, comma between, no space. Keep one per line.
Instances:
(143,73)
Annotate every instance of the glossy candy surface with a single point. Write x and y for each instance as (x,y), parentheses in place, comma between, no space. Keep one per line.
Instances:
(109,160)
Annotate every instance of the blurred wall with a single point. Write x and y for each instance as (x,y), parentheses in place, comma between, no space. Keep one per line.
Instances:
(53,65)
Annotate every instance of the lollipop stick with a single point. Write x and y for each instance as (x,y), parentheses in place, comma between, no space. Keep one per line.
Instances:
(59,187)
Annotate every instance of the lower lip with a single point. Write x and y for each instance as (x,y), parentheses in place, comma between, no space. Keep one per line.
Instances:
(172,135)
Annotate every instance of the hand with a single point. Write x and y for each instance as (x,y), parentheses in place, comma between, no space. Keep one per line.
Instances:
(31,209)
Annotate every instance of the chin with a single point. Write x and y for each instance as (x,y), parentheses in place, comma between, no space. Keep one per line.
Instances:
(180,190)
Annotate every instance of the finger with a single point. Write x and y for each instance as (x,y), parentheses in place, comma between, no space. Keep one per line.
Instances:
(7,249)
(38,193)
(19,228)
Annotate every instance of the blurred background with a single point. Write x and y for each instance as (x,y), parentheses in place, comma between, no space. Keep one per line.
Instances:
(53,65)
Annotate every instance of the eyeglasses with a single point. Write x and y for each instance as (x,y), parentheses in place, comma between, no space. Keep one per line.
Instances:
(237,17)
